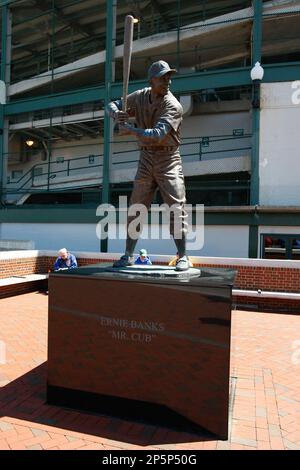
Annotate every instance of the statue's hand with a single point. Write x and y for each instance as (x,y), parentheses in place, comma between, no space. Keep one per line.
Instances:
(127,128)
(120,117)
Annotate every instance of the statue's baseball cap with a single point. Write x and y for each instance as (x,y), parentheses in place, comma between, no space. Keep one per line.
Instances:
(157,69)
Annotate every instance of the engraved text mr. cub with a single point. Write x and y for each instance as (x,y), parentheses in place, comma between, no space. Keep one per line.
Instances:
(121,329)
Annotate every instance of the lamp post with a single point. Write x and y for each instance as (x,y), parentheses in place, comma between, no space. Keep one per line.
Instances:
(257,74)
(256,77)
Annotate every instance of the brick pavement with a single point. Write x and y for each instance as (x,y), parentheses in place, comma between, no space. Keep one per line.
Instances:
(265,366)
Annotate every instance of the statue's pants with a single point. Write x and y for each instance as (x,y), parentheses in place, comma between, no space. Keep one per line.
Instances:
(163,170)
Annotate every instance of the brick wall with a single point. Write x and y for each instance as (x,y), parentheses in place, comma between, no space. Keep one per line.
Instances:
(22,288)
(36,265)
(264,278)
(249,277)
(23,266)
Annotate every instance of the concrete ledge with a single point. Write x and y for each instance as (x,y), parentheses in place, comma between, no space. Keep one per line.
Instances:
(264,283)
(16,285)
(21,254)
(9,281)
(197,260)
(266,294)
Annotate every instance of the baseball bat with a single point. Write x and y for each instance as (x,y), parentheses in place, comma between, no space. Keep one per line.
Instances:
(128,36)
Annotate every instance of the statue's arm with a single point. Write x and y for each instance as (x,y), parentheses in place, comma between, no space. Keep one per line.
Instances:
(150,136)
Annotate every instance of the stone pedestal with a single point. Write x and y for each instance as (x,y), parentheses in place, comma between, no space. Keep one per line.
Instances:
(125,340)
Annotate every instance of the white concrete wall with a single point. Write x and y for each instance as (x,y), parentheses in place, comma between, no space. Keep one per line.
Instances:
(279,160)
(216,124)
(13,164)
(54,236)
(225,241)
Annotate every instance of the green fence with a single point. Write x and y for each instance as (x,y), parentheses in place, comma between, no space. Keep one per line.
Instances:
(64,174)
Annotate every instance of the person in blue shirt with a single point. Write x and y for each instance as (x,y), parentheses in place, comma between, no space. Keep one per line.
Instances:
(65,260)
(143,258)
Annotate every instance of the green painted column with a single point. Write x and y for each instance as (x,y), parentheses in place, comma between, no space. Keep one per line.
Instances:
(254,187)
(256,57)
(4,15)
(111,10)
(178,36)
(253,241)
(52,60)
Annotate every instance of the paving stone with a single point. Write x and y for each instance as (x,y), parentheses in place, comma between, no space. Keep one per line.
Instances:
(265,414)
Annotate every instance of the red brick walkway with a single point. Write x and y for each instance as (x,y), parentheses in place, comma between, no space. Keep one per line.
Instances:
(265,378)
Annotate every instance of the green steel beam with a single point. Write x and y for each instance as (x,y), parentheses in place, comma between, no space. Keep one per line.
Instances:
(81,214)
(43,214)
(57,99)
(256,57)
(282,72)
(111,12)
(253,219)
(182,83)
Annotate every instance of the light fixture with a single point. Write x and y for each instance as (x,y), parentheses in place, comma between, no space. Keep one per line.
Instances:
(135,18)
(257,73)
(29,142)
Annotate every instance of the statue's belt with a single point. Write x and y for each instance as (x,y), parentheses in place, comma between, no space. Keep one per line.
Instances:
(159,147)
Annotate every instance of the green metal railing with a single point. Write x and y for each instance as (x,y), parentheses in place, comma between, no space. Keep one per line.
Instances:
(152,21)
(193,149)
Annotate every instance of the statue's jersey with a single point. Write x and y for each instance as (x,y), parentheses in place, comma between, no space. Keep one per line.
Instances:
(148,113)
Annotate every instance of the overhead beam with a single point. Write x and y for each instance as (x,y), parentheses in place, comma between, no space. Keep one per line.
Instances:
(66,19)
(42,134)
(85,129)
(87,32)
(155,4)
(73,133)
(182,84)
(31,134)
(59,133)
(190,82)
(26,47)
(34,52)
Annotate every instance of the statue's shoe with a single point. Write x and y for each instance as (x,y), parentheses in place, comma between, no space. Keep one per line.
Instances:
(182,264)
(124,261)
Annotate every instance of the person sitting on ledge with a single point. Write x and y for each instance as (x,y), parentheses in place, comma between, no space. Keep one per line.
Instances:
(143,258)
(65,260)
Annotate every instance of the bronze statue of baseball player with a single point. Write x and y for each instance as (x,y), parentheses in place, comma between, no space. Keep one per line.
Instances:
(158,116)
